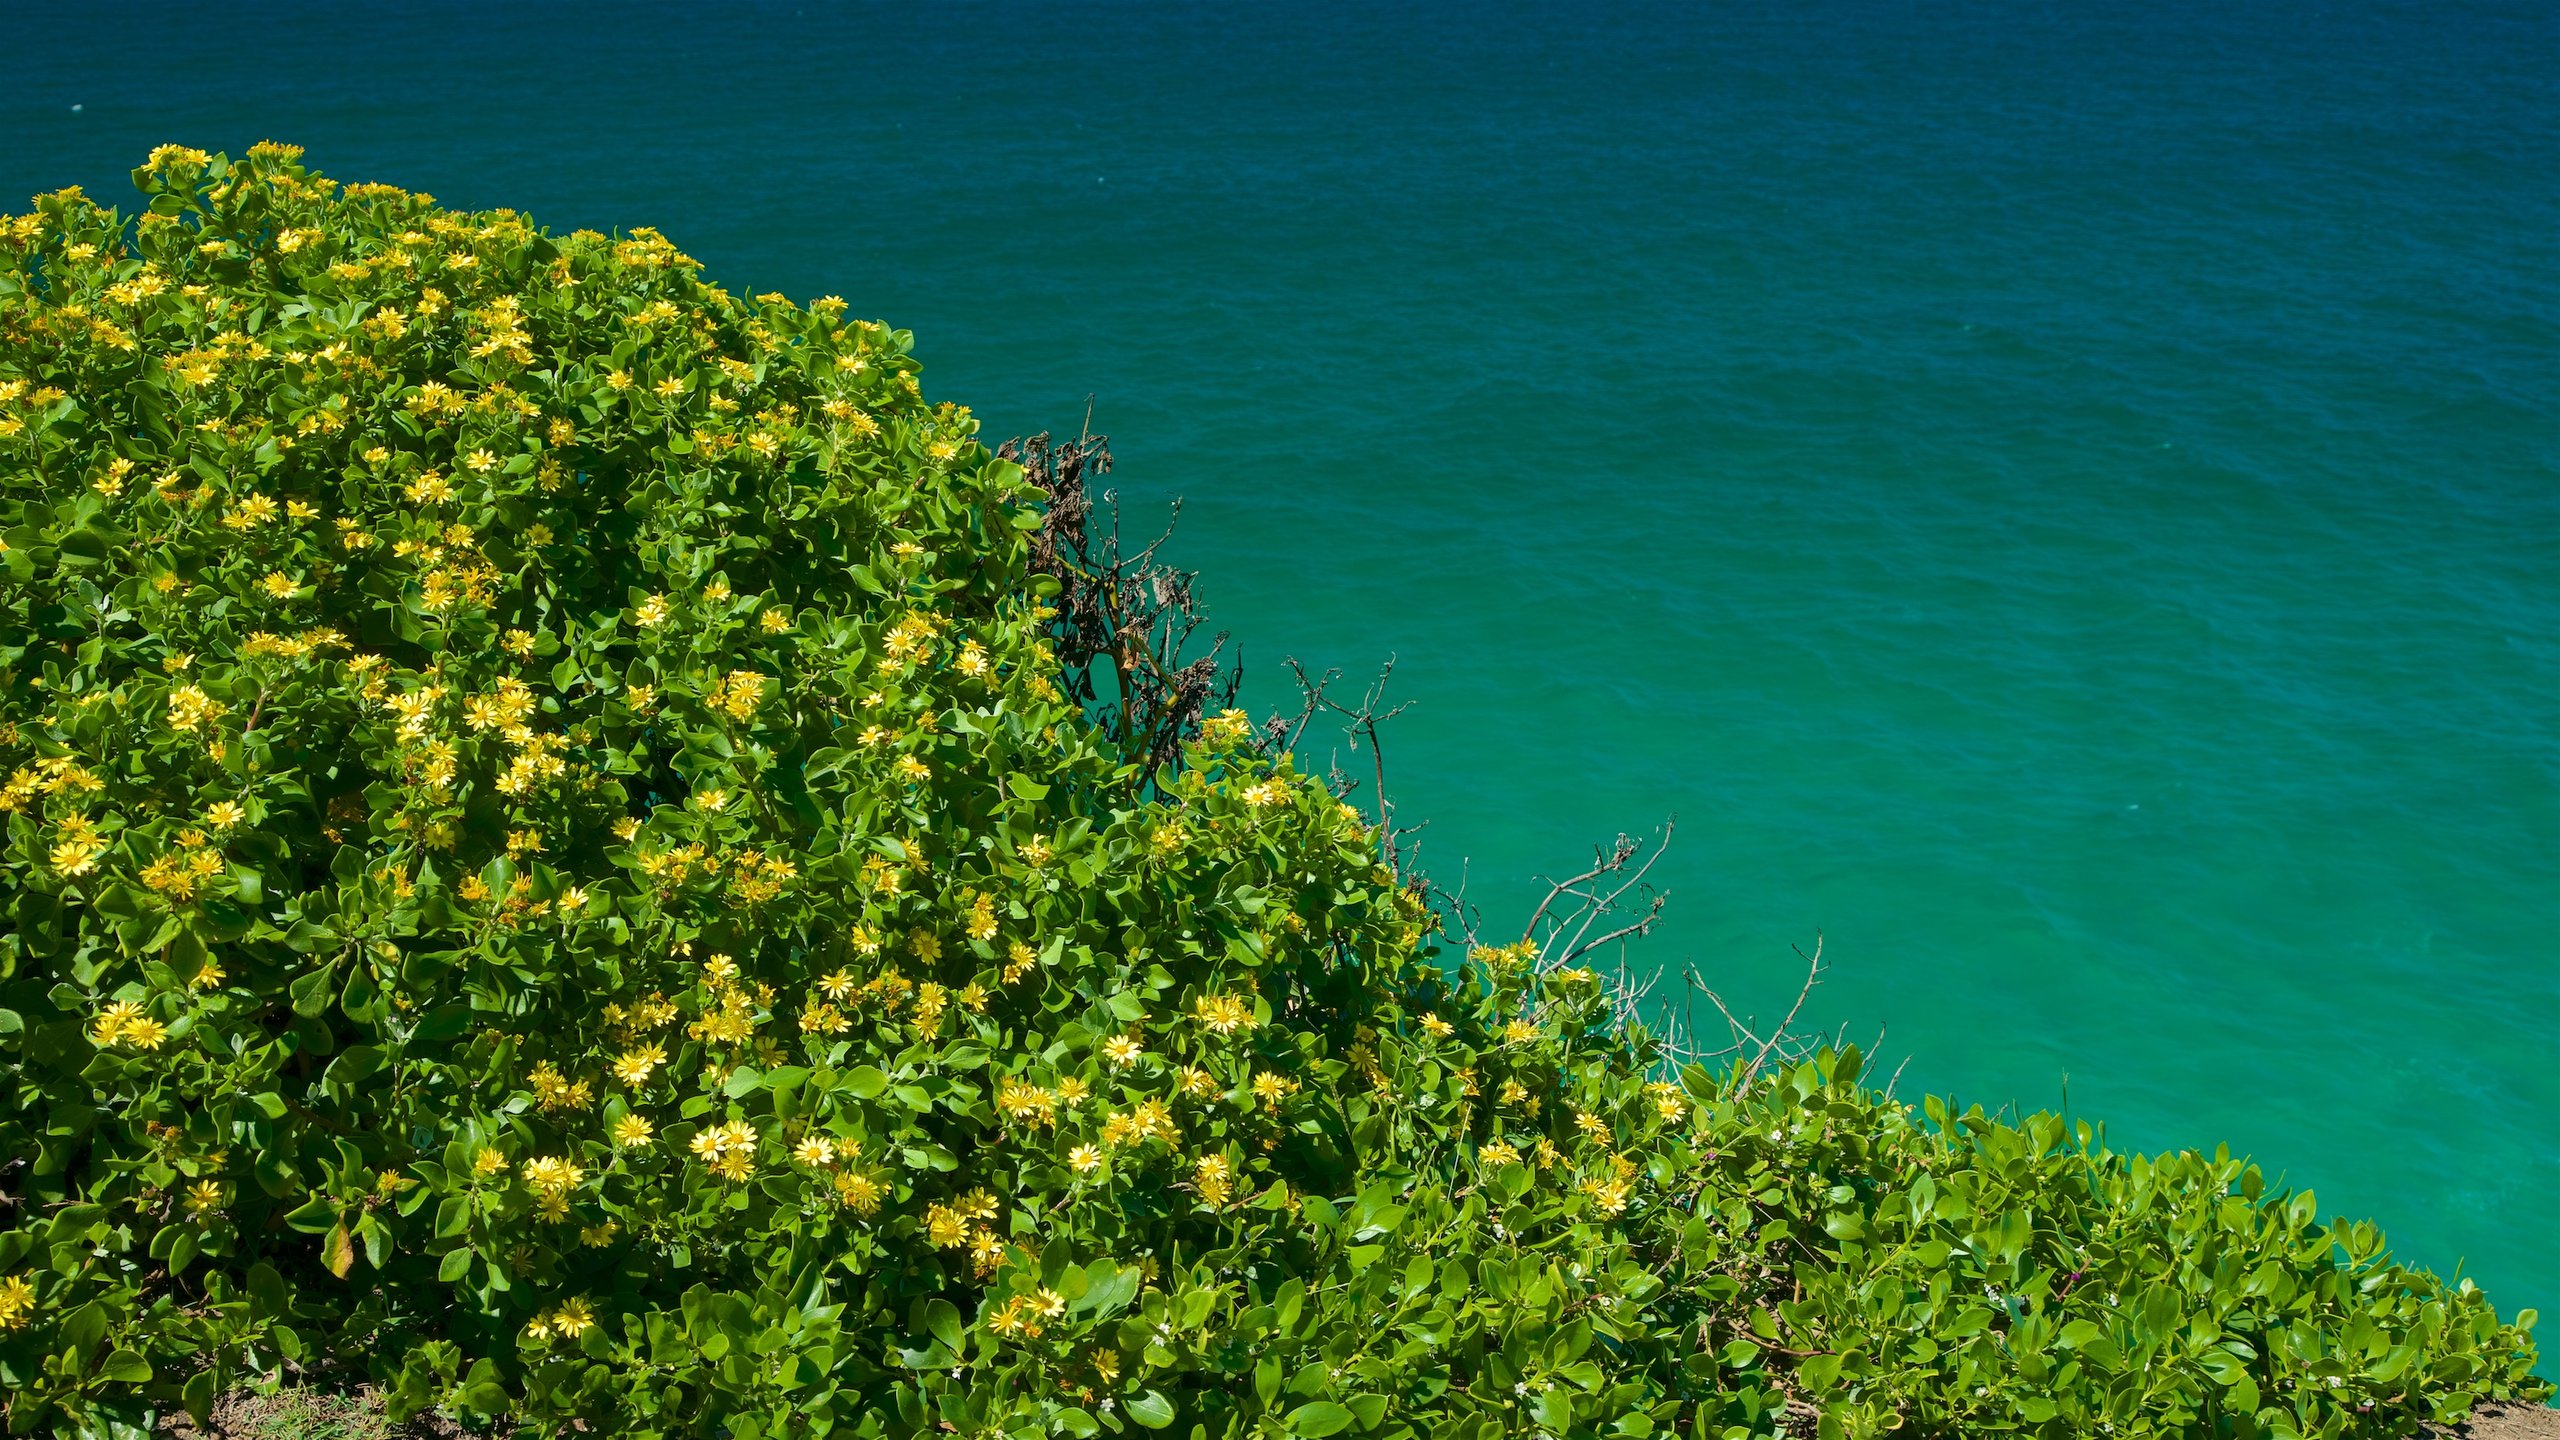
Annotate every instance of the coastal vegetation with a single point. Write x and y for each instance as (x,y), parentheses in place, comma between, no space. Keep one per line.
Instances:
(581,853)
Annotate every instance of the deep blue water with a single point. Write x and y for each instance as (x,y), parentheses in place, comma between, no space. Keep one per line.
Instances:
(2064,500)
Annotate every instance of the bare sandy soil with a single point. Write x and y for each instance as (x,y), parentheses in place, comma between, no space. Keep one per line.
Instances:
(2510,1422)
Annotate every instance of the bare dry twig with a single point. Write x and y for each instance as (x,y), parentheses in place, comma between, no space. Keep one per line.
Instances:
(1360,727)
(1123,619)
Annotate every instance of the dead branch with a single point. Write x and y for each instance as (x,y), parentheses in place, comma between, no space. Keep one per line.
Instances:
(1123,620)
(1360,729)
(1812,977)
(1601,898)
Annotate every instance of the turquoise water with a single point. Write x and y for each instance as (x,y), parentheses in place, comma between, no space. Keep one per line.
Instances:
(2064,501)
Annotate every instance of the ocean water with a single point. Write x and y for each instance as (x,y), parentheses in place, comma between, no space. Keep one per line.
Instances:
(2063,501)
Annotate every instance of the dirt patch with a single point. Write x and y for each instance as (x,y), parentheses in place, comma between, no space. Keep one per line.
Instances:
(306,1413)
(2509,1422)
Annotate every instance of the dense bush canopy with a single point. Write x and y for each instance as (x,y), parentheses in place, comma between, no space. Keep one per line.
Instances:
(551,865)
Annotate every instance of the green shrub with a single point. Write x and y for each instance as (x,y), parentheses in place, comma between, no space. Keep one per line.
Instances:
(552,864)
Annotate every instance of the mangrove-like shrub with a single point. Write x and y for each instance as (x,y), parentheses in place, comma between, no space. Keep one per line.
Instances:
(555,864)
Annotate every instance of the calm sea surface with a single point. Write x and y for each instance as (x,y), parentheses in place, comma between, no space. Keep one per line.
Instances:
(2063,500)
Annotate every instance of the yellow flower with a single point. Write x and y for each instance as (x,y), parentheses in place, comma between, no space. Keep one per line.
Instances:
(552,1175)
(711,802)
(652,612)
(1437,1028)
(1609,1195)
(860,1193)
(572,1319)
(1121,1051)
(1020,1101)
(78,856)
(1500,1152)
(1666,1101)
(203,1198)
(1214,1178)
(145,1034)
(489,1162)
(1085,1159)
(738,695)
(633,1066)
(631,1130)
(190,707)
(17,1303)
(111,1022)
(1223,1014)
(224,814)
(816,1150)
(730,1150)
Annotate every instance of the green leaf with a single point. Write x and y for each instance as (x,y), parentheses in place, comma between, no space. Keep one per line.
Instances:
(311,993)
(942,1319)
(126,1367)
(83,1329)
(1151,1409)
(1318,1418)
(1108,1287)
